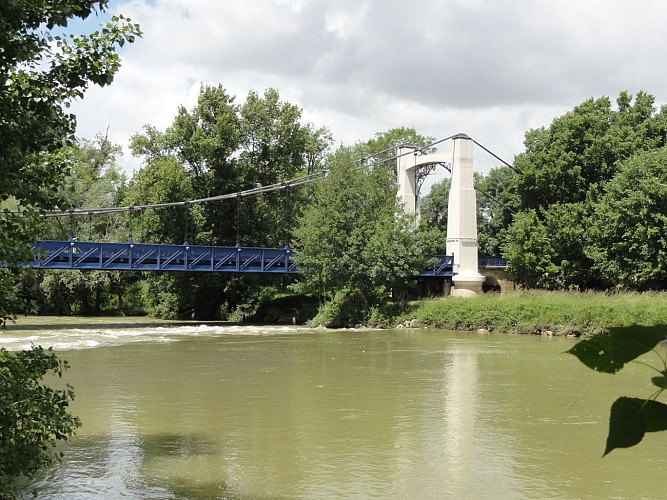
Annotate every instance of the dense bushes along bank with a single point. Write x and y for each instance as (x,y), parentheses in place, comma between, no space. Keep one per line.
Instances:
(561,313)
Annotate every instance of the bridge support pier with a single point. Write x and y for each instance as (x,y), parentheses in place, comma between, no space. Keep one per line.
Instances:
(462,221)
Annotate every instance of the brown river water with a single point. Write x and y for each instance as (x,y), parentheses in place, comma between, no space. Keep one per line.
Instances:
(181,411)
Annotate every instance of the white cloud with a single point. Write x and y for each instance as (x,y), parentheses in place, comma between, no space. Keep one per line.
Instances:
(492,69)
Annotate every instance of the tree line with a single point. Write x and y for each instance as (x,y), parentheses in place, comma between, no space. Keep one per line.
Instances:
(352,240)
(580,209)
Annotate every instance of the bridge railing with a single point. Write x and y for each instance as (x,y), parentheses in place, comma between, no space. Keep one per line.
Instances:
(492,262)
(443,265)
(193,258)
(155,257)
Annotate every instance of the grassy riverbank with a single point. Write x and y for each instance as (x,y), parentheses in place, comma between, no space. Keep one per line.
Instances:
(561,313)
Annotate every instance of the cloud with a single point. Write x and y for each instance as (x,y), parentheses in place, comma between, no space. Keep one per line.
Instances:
(492,69)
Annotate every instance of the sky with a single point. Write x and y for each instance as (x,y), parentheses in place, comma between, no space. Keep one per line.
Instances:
(492,69)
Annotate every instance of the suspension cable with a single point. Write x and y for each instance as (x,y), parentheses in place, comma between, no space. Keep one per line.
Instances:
(129,236)
(71,226)
(494,155)
(496,200)
(187,218)
(238,219)
(299,181)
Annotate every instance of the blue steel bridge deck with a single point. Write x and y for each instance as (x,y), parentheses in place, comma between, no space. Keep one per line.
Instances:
(188,258)
(154,257)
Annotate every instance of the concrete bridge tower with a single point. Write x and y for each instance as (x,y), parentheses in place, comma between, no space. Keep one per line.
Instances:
(462,220)
(461,210)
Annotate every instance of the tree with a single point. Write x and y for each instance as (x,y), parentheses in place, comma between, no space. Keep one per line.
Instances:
(582,148)
(162,180)
(222,148)
(227,148)
(497,202)
(528,251)
(562,173)
(41,74)
(165,180)
(549,253)
(355,244)
(95,181)
(33,417)
(628,242)
(434,207)
(276,147)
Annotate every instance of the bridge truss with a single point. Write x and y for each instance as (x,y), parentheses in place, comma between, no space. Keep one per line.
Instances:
(188,258)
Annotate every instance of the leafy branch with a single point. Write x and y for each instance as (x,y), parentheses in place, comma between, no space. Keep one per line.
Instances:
(630,418)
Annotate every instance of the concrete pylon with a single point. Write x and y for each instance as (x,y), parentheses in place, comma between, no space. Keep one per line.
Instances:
(407,178)
(409,161)
(462,221)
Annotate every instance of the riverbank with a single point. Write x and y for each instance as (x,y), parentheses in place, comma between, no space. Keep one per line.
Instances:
(529,312)
(538,312)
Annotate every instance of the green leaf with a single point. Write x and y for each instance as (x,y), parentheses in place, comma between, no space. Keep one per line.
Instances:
(660,382)
(631,418)
(609,352)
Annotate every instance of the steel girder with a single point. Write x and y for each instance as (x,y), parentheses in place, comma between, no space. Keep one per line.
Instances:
(190,258)
(152,257)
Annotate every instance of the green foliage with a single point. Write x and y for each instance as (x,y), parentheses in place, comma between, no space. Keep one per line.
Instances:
(630,418)
(224,147)
(356,246)
(628,242)
(571,191)
(33,416)
(168,295)
(581,148)
(96,181)
(221,147)
(163,180)
(10,301)
(381,149)
(273,306)
(70,291)
(41,75)
(548,252)
(385,315)
(346,308)
(528,251)
(610,352)
(433,207)
(562,313)
(497,202)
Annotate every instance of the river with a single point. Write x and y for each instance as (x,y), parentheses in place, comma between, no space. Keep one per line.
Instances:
(188,411)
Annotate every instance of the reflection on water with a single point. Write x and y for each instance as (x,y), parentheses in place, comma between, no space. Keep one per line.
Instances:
(215,411)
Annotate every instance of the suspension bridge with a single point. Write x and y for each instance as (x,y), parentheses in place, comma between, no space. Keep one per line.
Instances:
(461,263)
